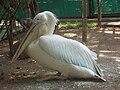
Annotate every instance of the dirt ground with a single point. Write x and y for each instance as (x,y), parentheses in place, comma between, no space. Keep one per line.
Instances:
(24,74)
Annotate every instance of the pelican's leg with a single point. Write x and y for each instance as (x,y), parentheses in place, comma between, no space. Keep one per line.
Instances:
(50,77)
(58,76)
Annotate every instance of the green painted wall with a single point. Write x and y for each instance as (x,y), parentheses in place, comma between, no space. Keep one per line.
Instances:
(73,8)
(108,6)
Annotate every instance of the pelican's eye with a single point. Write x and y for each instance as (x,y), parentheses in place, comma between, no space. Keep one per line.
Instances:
(37,18)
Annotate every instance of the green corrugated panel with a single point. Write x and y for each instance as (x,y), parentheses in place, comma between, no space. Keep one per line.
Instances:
(108,6)
(1,11)
(62,8)
(72,8)
(21,14)
(52,5)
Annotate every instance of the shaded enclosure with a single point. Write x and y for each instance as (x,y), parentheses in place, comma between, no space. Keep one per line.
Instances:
(105,41)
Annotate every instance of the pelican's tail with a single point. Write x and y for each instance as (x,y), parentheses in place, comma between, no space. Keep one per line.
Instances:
(99,77)
(83,72)
(99,73)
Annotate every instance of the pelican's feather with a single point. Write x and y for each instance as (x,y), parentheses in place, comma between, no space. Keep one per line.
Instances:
(69,51)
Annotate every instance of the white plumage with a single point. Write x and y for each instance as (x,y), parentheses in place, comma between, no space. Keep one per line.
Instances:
(66,56)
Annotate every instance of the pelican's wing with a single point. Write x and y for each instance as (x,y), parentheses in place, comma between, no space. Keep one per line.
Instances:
(68,50)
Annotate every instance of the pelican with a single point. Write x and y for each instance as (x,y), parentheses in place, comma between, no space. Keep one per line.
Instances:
(70,58)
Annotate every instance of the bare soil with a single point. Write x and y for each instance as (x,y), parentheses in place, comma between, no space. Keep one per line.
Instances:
(23,74)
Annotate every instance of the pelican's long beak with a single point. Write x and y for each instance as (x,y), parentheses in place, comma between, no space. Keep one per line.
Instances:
(26,40)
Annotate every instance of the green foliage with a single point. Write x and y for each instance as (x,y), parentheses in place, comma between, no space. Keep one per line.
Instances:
(75,25)
(92,25)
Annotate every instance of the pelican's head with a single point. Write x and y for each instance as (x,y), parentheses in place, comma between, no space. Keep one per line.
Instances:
(43,24)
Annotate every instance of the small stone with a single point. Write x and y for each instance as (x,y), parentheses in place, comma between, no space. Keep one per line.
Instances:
(13,73)
(31,61)
(32,73)
(12,78)
(18,67)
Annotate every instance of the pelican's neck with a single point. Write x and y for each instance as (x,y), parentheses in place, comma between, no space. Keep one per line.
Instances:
(51,27)
(46,29)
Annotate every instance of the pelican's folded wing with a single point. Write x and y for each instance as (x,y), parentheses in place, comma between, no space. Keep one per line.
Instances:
(68,50)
